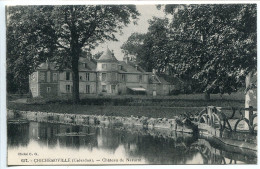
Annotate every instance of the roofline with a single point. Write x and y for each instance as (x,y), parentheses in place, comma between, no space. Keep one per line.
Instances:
(115,61)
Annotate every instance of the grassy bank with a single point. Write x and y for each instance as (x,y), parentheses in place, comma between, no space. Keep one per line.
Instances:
(126,111)
(192,100)
(160,106)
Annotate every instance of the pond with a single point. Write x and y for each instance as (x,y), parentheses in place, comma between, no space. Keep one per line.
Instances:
(40,143)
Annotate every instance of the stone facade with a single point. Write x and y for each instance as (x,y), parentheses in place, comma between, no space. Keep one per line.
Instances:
(106,76)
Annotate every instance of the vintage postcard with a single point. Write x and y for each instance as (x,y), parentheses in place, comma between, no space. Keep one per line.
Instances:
(110,84)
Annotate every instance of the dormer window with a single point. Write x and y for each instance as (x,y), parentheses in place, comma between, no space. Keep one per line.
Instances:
(67,75)
(120,67)
(140,78)
(104,66)
(113,66)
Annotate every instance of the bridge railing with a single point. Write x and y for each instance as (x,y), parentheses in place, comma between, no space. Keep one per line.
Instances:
(215,117)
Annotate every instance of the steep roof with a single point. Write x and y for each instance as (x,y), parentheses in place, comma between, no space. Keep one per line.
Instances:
(127,68)
(171,78)
(87,64)
(108,56)
(162,80)
(44,66)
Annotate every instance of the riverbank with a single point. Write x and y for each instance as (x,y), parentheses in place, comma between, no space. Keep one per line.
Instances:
(127,105)
(123,111)
(177,124)
(108,110)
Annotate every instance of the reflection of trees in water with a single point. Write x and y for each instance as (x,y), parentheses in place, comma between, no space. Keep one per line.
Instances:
(209,157)
(109,139)
(155,147)
(47,134)
(158,150)
(18,135)
(213,154)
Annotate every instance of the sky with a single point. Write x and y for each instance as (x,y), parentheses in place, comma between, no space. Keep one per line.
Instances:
(146,12)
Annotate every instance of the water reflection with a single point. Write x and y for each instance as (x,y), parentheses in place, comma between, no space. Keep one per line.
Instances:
(153,147)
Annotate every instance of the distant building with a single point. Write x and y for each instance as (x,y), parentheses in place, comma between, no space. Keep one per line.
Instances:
(106,76)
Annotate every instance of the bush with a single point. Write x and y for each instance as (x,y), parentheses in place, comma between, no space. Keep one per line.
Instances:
(175,92)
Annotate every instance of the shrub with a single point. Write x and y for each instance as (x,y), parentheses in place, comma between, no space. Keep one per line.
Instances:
(175,92)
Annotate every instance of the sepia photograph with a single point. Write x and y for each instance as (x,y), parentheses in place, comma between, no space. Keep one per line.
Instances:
(131,84)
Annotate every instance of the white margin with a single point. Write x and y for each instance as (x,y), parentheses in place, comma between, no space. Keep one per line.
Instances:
(3,141)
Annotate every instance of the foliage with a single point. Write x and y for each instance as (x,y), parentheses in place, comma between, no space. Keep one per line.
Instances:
(61,33)
(151,49)
(211,46)
(221,40)
(132,45)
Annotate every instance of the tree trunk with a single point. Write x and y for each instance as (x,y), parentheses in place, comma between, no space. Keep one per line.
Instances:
(75,79)
(75,53)
(207,96)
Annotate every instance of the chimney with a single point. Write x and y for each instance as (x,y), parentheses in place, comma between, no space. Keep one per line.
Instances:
(154,71)
(136,67)
(126,59)
(48,63)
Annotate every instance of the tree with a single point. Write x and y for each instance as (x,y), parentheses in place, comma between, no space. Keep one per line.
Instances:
(152,49)
(133,45)
(61,33)
(215,42)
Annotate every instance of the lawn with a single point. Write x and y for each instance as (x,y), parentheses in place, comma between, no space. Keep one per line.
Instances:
(167,107)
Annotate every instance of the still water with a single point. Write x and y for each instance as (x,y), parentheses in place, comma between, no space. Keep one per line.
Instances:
(39,143)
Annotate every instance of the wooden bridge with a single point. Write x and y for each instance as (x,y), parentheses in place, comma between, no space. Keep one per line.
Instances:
(230,128)
(216,118)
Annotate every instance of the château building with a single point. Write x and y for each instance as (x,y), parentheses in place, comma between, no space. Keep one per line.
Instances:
(106,76)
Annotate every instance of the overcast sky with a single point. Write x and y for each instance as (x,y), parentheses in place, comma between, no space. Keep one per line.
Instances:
(147,12)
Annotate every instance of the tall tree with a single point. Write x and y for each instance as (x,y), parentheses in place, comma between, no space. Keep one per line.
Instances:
(152,49)
(217,43)
(62,33)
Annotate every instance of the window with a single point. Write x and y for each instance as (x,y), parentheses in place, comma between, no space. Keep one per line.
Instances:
(120,67)
(55,77)
(68,88)
(104,88)
(33,89)
(104,76)
(104,66)
(67,75)
(87,88)
(33,77)
(87,76)
(154,86)
(164,89)
(48,89)
(113,76)
(113,88)
(85,65)
(42,76)
(80,77)
(113,66)
(48,76)
(123,78)
(140,78)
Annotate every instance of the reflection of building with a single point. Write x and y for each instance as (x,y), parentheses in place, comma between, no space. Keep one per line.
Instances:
(46,134)
(106,76)
(77,142)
